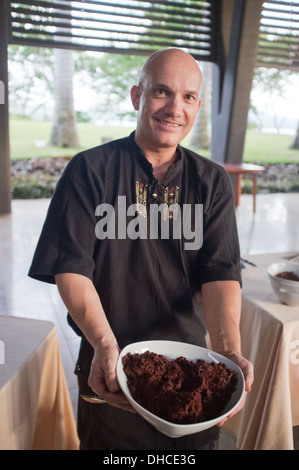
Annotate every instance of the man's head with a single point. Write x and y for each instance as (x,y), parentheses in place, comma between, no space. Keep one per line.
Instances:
(167,99)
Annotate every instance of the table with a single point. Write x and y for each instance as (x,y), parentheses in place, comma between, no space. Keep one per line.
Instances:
(270,340)
(35,407)
(244,169)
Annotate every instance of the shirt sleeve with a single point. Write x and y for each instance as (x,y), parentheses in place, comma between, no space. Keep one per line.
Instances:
(219,257)
(67,240)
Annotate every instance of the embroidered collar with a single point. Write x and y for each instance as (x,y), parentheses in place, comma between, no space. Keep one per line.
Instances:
(172,171)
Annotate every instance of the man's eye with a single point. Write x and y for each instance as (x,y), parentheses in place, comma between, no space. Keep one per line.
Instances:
(160,92)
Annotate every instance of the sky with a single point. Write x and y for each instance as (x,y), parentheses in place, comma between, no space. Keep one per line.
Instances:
(283,109)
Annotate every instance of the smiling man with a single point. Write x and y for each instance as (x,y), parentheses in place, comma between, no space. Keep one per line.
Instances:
(126,288)
(167,100)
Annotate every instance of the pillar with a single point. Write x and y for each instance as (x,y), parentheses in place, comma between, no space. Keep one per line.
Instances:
(5,188)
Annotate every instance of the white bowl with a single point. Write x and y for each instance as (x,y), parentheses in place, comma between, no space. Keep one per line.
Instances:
(287,298)
(286,290)
(171,350)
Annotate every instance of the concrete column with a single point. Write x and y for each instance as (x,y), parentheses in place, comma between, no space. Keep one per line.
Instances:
(5,188)
(232,78)
(243,82)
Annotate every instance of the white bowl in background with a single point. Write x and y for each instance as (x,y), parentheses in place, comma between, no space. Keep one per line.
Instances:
(286,290)
(171,350)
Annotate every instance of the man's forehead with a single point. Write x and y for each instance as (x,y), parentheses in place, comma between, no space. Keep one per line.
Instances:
(168,67)
(169,71)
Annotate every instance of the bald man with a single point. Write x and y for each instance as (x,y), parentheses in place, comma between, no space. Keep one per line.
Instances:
(122,284)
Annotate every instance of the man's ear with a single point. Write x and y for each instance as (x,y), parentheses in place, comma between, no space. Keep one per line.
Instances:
(135,97)
(199,104)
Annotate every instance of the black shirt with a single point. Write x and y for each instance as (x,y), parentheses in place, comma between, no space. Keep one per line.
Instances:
(149,285)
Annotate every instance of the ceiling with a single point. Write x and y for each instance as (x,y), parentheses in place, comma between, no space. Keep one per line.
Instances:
(140,27)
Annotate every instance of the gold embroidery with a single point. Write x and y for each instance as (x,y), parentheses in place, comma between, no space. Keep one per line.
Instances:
(141,198)
(170,198)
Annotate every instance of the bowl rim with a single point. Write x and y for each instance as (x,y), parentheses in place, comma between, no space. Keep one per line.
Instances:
(287,267)
(177,426)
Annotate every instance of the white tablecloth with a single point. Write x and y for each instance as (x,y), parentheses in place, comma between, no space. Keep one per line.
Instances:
(270,340)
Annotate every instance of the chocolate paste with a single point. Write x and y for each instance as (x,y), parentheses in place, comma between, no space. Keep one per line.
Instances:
(179,391)
(289,275)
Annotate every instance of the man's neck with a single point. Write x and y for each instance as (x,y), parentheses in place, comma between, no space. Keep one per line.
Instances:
(160,159)
(161,163)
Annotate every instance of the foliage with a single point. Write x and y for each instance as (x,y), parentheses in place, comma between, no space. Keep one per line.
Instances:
(37,178)
(271,81)
(271,84)
(30,78)
(34,178)
(35,172)
(112,77)
(26,187)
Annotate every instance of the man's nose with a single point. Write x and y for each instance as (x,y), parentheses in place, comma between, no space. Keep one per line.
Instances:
(174,106)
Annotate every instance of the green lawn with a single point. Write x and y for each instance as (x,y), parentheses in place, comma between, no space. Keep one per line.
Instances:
(265,148)
(30,139)
(269,148)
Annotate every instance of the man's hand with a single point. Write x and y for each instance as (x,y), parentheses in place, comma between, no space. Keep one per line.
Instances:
(247,369)
(103,379)
(83,303)
(221,302)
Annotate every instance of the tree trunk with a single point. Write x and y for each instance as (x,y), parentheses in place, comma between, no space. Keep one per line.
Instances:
(295,143)
(200,137)
(64,130)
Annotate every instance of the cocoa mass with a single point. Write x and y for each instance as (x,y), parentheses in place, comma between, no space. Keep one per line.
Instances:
(179,391)
(288,275)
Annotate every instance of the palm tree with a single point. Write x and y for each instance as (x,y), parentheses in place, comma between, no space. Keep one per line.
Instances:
(64,130)
(200,138)
(295,143)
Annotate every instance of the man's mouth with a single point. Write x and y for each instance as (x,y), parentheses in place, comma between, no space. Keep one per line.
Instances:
(169,124)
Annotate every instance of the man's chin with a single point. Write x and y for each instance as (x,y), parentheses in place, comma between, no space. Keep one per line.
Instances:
(169,139)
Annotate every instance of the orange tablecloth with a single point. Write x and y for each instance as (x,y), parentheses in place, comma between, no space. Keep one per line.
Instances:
(35,407)
(270,340)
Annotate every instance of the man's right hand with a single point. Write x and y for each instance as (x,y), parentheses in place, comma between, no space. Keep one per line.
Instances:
(84,305)
(103,379)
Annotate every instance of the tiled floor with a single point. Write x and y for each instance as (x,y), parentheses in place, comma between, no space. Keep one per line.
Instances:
(24,297)
(273,228)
